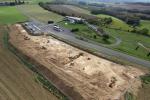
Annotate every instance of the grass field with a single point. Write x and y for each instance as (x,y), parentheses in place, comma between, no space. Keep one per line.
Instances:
(85,32)
(10,15)
(116,23)
(129,43)
(16,81)
(36,12)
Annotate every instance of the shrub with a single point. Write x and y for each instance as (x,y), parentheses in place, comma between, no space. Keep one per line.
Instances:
(143,31)
(75,30)
(50,22)
(106,37)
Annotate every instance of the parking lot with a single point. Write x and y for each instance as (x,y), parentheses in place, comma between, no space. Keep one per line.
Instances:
(37,28)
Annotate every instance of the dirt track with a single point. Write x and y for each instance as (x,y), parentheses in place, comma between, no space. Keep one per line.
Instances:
(16,81)
(92,77)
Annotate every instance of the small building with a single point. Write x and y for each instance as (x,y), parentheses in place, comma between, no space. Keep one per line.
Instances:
(74,19)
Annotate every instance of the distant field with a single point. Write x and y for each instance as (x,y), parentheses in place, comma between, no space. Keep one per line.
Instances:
(77,9)
(10,15)
(37,1)
(16,81)
(36,12)
(30,1)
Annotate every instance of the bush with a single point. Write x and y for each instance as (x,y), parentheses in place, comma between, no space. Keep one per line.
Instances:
(75,30)
(94,36)
(132,20)
(106,37)
(108,20)
(143,31)
(93,21)
(50,22)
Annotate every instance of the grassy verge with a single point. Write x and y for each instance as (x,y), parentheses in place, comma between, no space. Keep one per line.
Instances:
(48,85)
(10,15)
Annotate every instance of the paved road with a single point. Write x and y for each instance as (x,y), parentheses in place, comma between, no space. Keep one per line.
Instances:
(98,48)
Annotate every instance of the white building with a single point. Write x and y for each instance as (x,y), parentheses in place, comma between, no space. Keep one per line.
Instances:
(74,19)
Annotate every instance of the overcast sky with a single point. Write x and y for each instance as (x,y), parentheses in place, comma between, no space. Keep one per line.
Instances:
(119,0)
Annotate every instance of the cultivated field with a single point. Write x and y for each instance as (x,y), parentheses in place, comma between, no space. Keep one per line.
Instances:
(77,9)
(38,13)
(30,1)
(10,15)
(17,82)
(88,75)
(68,10)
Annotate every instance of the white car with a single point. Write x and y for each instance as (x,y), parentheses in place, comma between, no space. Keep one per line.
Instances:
(57,28)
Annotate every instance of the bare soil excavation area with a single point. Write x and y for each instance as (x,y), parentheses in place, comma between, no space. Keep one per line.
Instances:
(92,77)
(16,81)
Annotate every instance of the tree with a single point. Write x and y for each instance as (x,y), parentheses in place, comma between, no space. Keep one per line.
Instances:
(133,20)
(108,20)
(143,31)
(82,3)
(75,30)
(50,22)
(94,36)
(106,37)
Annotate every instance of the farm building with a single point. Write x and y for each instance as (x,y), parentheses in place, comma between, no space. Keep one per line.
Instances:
(74,19)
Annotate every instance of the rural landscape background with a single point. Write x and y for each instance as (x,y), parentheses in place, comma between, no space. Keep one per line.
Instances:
(127,28)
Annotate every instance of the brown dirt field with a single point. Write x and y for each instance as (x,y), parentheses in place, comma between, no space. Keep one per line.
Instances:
(92,77)
(16,81)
